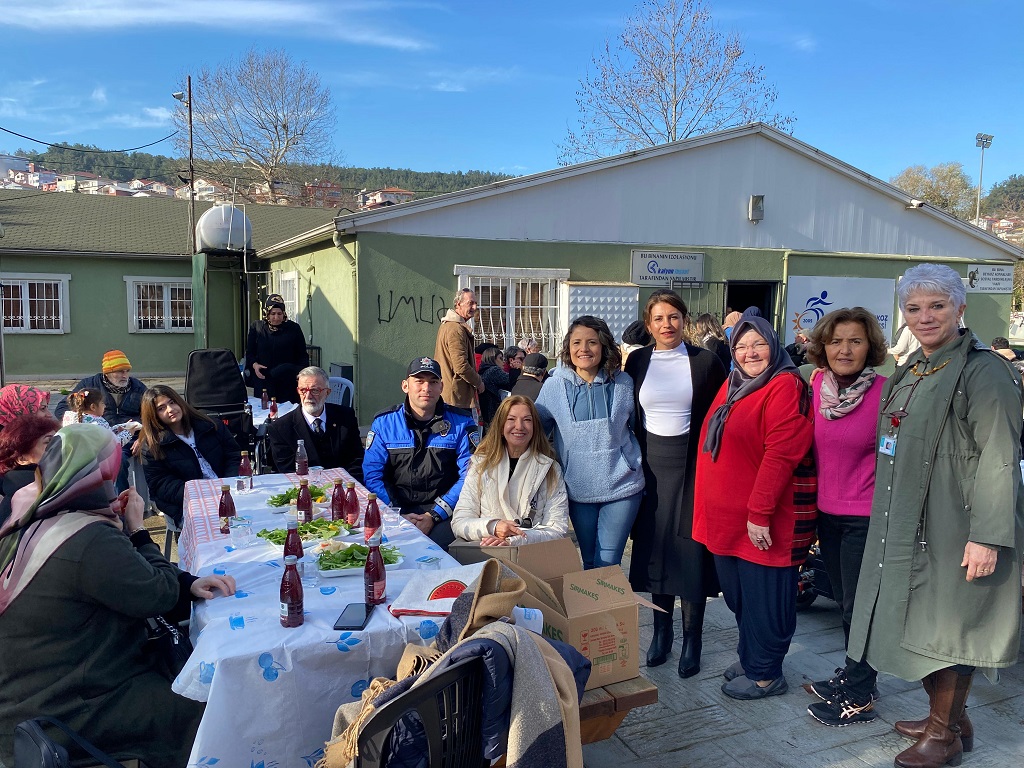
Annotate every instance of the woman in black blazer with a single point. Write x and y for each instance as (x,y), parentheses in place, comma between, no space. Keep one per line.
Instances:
(180,444)
(674,384)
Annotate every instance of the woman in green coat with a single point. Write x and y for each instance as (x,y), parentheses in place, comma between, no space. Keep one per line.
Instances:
(939,592)
(78,576)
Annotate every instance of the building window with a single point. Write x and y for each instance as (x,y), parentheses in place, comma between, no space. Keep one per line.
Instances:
(288,287)
(159,305)
(514,304)
(35,303)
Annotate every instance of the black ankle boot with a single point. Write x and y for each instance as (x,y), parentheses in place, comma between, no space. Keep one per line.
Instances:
(689,657)
(661,642)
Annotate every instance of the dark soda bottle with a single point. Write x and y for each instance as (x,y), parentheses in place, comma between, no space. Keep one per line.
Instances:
(245,473)
(273,408)
(304,502)
(264,400)
(292,540)
(338,501)
(291,594)
(374,573)
(301,459)
(351,504)
(226,510)
(371,518)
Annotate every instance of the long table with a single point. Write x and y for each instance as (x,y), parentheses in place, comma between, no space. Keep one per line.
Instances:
(270,692)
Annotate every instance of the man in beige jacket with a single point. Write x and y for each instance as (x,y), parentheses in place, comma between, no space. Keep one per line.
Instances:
(454,351)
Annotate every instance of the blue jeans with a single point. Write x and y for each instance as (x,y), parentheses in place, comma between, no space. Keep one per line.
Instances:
(601,529)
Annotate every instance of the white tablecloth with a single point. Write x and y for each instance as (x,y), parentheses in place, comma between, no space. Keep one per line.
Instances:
(272,692)
(261,414)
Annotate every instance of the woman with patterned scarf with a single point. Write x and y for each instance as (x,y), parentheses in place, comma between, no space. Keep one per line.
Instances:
(847,395)
(78,576)
(754,505)
(18,399)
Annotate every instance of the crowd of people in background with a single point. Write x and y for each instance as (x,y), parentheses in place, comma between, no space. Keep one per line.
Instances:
(722,453)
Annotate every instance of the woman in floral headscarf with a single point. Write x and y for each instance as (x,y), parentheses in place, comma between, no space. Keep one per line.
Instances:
(74,594)
(17,399)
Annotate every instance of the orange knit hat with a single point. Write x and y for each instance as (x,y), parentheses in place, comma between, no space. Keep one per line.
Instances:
(115,360)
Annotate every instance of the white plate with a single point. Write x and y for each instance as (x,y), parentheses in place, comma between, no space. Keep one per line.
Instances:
(335,572)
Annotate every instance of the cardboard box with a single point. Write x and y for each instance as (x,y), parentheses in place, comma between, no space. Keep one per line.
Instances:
(595,611)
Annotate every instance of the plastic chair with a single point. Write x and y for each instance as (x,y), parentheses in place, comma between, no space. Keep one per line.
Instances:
(450,707)
(342,391)
(170,529)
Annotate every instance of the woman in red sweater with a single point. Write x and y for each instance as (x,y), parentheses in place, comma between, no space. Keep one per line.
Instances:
(755,502)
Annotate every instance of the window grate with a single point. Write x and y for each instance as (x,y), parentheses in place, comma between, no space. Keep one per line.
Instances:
(34,305)
(514,308)
(162,306)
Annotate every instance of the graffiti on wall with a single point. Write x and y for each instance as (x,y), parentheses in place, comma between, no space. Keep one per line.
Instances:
(419,309)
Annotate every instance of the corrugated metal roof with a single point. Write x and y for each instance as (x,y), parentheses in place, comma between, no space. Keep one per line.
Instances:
(65,221)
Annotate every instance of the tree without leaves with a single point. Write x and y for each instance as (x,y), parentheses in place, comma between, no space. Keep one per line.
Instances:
(259,113)
(671,74)
(945,186)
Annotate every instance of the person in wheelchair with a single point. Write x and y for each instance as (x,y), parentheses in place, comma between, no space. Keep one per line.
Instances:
(180,444)
(81,575)
(275,352)
(330,432)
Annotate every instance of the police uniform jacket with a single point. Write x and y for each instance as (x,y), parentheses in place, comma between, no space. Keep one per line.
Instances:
(419,468)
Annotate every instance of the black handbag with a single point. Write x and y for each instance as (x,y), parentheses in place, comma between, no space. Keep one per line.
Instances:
(169,644)
(34,749)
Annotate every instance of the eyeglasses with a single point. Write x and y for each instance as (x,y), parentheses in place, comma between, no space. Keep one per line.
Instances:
(314,391)
(759,346)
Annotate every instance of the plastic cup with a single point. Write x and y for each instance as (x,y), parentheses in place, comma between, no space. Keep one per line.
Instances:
(241,533)
(308,572)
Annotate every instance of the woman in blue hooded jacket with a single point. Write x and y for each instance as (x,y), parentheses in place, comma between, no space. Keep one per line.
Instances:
(587,403)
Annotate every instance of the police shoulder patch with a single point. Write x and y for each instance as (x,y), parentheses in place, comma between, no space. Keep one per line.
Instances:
(369,438)
(474,436)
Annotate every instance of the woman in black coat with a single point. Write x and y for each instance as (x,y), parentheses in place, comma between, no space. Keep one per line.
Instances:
(275,352)
(180,444)
(674,385)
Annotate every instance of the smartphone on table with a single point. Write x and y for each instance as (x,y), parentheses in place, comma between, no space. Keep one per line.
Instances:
(355,616)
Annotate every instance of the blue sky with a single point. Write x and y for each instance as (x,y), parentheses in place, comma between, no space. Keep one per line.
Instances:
(880,84)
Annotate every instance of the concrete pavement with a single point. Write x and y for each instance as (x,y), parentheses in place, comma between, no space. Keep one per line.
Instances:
(695,724)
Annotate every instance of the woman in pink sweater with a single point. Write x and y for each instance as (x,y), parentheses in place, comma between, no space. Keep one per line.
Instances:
(847,392)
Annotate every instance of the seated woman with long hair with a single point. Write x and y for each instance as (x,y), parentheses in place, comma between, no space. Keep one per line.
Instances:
(79,575)
(180,444)
(514,493)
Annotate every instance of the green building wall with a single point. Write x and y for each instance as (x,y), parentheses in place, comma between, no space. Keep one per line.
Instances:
(406,283)
(98,307)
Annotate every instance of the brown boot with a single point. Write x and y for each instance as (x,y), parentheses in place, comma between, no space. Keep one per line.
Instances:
(940,742)
(914,729)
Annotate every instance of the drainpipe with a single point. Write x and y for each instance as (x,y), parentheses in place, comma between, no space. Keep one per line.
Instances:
(340,244)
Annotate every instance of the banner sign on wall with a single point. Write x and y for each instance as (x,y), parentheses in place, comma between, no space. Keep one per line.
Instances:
(989,278)
(657,268)
(808,299)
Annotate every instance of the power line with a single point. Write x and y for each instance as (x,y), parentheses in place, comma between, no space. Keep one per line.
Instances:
(79,149)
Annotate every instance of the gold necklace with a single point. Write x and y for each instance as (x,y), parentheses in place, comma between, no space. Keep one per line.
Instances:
(933,370)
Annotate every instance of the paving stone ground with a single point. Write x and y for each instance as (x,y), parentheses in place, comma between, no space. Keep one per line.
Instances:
(695,724)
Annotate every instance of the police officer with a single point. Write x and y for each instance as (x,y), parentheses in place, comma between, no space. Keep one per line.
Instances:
(417,453)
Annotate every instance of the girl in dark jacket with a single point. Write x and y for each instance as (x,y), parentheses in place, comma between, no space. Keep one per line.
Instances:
(180,444)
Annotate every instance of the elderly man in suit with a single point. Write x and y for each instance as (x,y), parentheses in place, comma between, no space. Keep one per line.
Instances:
(330,431)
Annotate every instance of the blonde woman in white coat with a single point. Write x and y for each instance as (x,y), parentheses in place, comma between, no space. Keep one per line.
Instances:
(514,493)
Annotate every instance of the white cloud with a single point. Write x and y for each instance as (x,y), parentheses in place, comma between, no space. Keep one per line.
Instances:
(446,86)
(151,117)
(99,95)
(805,43)
(314,18)
(470,79)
